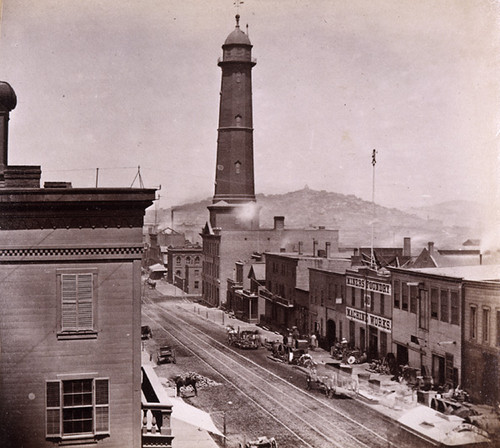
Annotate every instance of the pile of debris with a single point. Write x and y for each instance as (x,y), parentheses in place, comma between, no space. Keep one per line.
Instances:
(201,381)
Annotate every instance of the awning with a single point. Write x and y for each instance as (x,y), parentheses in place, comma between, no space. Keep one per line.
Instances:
(157,268)
(193,416)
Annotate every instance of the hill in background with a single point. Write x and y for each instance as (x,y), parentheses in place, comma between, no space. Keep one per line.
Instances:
(349,214)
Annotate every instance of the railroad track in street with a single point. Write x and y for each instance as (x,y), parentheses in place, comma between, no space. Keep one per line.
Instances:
(313,421)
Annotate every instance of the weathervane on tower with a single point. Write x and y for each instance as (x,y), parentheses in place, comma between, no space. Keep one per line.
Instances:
(238,3)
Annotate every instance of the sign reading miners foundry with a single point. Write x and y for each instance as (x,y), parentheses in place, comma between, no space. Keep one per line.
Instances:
(375,321)
(369,285)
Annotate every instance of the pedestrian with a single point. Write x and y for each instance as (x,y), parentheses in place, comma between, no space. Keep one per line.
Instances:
(313,342)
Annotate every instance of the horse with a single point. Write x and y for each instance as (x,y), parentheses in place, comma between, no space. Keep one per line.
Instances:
(185,382)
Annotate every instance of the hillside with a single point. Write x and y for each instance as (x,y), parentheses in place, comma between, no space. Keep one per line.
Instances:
(347,213)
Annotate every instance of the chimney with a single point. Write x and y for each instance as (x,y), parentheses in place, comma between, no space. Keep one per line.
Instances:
(407,247)
(300,247)
(430,247)
(279,222)
(327,249)
(315,243)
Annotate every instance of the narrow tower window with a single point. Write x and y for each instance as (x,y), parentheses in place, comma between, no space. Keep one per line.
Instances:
(237,119)
(237,167)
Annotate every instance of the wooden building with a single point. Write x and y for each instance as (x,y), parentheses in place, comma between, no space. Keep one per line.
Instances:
(70,310)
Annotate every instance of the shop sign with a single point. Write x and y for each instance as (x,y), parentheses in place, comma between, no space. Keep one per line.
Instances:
(369,285)
(375,321)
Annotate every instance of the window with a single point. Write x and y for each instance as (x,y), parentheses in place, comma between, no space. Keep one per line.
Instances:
(77,408)
(434,303)
(396,294)
(444,306)
(188,260)
(455,308)
(196,260)
(196,284)
(178,260)
(423,309)
(353,296)
(76,297)
(473,322)
(486,324)
(404,296)
(413,299)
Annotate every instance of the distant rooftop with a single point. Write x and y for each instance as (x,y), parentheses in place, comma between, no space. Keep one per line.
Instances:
(475,273)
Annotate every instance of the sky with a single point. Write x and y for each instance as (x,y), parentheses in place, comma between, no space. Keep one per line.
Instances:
(118,84)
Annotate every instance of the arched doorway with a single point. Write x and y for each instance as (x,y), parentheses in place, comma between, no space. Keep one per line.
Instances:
(331,331)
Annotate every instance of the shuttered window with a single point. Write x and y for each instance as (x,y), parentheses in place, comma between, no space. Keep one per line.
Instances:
(77,408)
(77,295)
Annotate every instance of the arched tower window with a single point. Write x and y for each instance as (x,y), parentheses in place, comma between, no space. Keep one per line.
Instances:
(178,260)
(188,260)
(237,119)
(237,167)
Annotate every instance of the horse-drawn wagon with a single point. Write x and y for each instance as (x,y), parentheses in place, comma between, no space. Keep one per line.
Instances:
(165,354)
(246,338)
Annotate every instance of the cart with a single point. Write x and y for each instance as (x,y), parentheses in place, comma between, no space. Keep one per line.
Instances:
(165,354)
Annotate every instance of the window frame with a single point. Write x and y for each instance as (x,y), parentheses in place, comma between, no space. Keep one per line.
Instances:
(55,406)
(405,296)
(89,332)
(444,305)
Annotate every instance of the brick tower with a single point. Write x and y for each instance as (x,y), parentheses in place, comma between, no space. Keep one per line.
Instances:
(234,199)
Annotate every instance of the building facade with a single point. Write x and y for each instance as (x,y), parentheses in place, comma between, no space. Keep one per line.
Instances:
(368,311)
(184,268)
(427,323)
(70,335)
(327,295)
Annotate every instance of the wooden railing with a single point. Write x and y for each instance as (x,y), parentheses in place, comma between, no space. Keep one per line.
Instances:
(156,412)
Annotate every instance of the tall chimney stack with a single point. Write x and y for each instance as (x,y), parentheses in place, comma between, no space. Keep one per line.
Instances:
(315,243)
(327,249)
(407,247)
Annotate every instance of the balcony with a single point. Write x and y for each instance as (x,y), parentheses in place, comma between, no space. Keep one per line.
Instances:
(156,412)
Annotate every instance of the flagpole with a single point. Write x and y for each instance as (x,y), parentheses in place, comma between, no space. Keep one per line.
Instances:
(372,255)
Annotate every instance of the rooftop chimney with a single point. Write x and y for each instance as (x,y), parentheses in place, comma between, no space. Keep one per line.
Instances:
(8,102)
(315,243)
(279,222)
(300,247)
(327,249)
(407,247)
(430,247)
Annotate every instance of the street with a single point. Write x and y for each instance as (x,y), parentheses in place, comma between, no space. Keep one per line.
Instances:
(257,396)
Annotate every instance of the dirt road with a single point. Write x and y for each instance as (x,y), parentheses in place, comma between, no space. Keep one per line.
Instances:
(257,396)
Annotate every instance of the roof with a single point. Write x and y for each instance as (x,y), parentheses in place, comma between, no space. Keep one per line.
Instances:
(259,271)
(237,37)
(475,273)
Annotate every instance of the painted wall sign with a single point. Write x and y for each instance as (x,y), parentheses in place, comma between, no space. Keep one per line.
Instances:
(375,321)
(382,288)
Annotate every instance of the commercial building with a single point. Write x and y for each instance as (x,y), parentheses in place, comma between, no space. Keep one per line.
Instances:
(184,267)
(368,310)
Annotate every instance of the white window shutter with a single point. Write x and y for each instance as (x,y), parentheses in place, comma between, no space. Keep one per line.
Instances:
(85,302)
(101,394)
(69,302)
(53,409)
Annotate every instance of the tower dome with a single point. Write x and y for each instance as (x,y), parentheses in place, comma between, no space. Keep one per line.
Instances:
(8,99)
(237,37)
